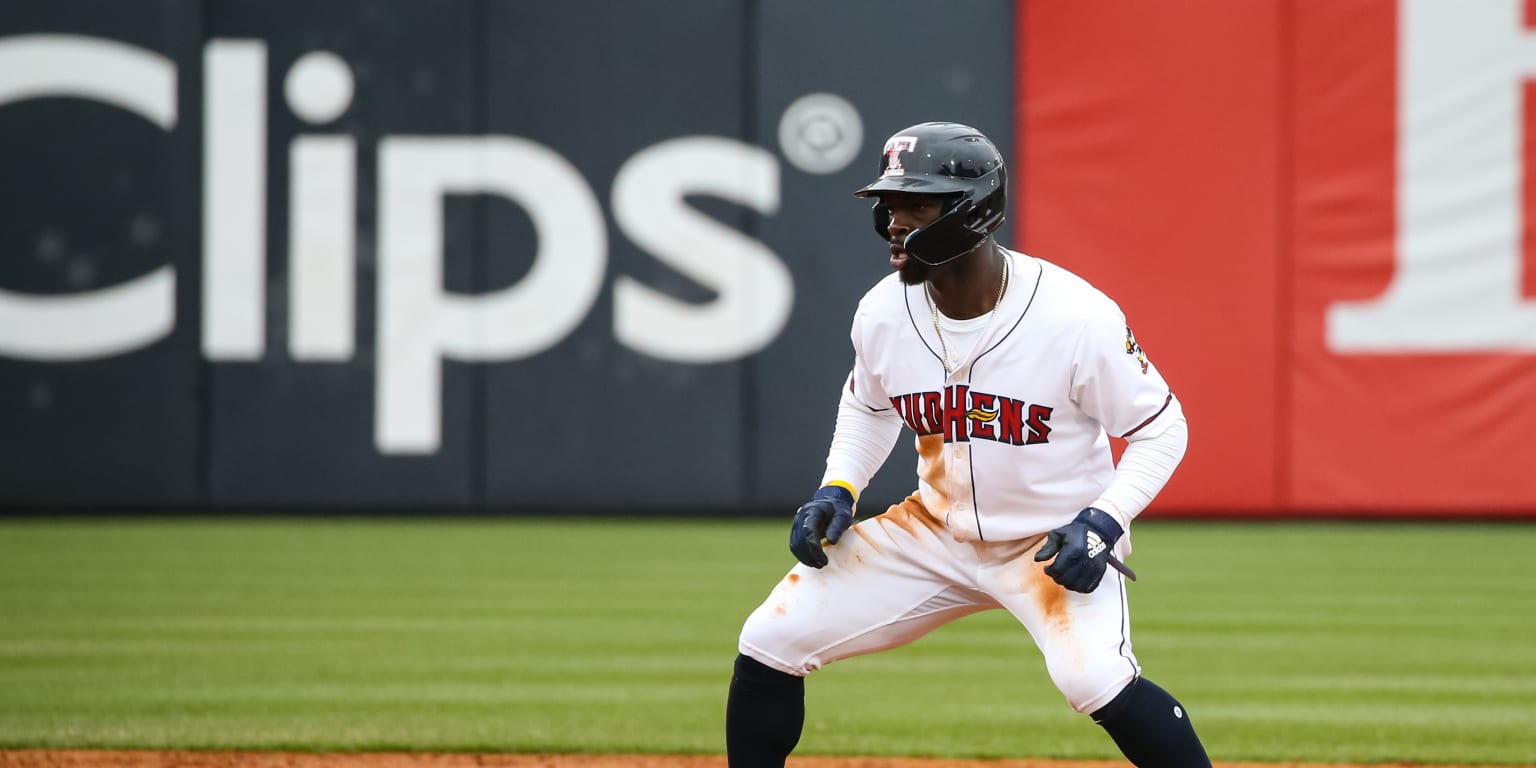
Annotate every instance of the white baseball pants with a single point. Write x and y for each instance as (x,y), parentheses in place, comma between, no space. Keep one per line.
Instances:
(898,576)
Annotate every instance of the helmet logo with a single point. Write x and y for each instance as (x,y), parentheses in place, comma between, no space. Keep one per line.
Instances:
(893,149)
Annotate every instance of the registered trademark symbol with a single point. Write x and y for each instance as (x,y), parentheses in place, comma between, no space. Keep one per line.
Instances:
(820,133)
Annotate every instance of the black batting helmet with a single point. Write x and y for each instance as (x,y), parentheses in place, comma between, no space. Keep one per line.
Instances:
(948,159)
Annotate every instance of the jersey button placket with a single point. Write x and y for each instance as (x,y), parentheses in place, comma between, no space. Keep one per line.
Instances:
(960,478)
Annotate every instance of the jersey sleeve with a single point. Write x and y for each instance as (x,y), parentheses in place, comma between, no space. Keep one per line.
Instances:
(863,387)
(867,423)
(1115,382)
(1145,467)
(861,443)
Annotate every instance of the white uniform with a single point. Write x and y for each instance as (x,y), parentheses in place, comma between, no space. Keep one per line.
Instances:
(1011,444)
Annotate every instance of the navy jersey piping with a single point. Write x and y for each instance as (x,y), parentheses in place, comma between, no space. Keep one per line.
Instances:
(906,295)
(975,500)
(1035,291)
(1125,635)
(1153,418)
(969,380)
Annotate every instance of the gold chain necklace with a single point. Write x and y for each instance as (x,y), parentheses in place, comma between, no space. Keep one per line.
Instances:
(934,308)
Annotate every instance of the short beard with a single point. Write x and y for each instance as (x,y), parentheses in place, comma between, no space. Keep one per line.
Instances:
(914,272)
(917,272)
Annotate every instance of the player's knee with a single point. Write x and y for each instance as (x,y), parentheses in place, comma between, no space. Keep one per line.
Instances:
(1089,690)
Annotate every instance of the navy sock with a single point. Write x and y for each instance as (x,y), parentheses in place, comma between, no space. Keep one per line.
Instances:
(763,716)
(1152,728)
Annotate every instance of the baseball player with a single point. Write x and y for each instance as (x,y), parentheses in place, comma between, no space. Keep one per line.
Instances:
(1012,373)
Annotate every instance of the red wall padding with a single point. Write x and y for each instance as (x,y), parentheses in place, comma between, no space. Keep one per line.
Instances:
(1228,172)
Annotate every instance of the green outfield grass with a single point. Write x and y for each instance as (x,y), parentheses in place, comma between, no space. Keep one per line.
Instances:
(1288,642)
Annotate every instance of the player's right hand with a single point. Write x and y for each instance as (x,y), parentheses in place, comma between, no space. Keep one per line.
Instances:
(827,515)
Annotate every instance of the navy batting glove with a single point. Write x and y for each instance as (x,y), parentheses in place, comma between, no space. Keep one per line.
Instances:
(826,516)
(1081,549)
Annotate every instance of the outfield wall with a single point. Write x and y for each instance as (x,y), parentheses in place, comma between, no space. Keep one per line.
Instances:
(481,255)
(1319,215)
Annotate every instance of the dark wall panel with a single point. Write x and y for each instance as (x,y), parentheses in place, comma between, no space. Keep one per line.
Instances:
(98,196)
(887,76)
(295,431)
(593,421)
(648,252)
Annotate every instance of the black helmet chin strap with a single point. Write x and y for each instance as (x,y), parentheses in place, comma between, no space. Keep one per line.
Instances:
(940,262)
(946,239)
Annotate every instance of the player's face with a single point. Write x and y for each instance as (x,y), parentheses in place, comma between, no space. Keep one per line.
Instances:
(910,212)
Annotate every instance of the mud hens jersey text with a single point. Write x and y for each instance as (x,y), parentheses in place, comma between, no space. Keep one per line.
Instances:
(1016,440)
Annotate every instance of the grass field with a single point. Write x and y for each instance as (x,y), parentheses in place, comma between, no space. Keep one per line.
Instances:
(1288,642)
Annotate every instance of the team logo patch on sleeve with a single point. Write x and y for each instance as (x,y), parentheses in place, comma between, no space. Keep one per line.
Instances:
(1133,348)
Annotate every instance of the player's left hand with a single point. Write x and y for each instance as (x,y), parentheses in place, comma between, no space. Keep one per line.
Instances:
(1081,548)
(826,516)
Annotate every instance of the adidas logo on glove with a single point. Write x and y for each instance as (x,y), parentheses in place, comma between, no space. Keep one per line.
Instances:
(1095,544)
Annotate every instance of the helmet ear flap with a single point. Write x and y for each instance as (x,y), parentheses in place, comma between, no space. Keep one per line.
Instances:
(882,220)
(947,238)
(989,213)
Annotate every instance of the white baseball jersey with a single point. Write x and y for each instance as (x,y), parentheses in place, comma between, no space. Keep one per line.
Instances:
(1015,440)
(1012,444)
